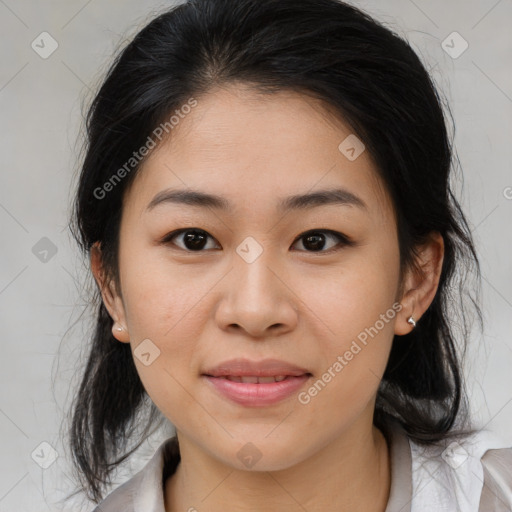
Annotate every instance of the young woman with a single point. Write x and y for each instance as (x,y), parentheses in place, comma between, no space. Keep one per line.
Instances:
(265,200)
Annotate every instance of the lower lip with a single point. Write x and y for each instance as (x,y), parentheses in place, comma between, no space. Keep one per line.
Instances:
(255,395)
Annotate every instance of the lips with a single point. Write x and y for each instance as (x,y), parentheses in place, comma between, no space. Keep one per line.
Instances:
(264,371)
(256,383)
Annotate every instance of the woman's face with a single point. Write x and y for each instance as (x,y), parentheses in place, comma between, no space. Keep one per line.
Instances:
(253,283)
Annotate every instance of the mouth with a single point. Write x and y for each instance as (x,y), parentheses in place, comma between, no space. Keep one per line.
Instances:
(255,383)
(256,391)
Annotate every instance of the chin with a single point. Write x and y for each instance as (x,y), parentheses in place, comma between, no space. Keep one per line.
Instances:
(263,455)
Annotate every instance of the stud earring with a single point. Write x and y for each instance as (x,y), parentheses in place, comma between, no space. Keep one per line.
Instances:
(411,321)
(119,327)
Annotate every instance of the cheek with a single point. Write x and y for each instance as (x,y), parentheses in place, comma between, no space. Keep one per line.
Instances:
(356,309)
(158,295)
(162,306)
(354,295)
(165,308)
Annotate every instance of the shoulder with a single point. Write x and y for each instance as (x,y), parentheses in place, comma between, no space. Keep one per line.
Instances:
(497,489)
(121,498)
(468,474)
(144,491)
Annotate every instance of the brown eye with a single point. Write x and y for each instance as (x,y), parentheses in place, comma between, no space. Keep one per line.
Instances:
(193,239)
(316,241)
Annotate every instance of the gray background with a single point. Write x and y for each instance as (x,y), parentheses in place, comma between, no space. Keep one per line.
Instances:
(41,303)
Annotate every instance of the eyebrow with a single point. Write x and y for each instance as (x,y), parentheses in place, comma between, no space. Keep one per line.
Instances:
(336,196)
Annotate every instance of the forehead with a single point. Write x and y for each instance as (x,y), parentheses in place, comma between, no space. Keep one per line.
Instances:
(250,147)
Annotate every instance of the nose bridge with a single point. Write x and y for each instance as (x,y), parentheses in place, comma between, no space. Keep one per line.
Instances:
(252,262)
(257,298)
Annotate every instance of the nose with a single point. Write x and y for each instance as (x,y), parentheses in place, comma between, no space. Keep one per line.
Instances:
(257,299)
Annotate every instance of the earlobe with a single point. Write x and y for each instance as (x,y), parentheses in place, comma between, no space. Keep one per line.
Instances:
(406,320)
(421,284)
(109,295)
(120,333)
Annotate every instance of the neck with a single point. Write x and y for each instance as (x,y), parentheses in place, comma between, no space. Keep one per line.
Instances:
(352,473)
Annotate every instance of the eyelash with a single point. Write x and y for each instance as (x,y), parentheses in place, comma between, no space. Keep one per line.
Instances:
(343,240)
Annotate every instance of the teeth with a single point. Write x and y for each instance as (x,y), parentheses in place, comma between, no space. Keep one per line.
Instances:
(266,379)
(249,379)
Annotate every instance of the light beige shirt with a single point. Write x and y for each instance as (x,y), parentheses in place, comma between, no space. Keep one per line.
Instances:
(472,475)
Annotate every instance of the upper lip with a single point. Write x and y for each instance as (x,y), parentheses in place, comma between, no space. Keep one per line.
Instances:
(264,368)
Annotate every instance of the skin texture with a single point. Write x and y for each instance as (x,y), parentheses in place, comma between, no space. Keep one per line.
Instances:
(294,302)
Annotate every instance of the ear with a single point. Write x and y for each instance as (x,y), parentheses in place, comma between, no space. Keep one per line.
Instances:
(421,283)
(110,296)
